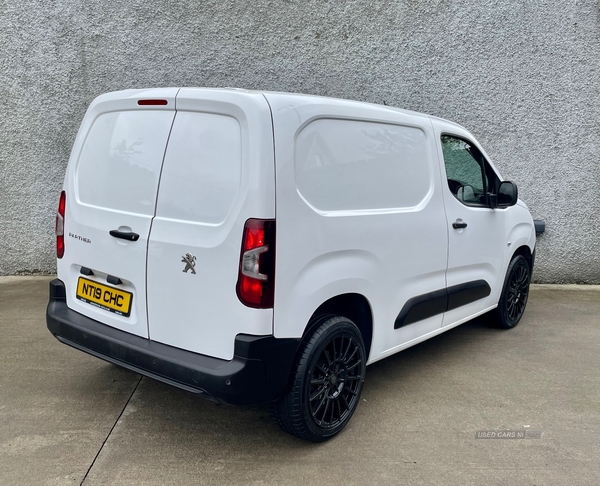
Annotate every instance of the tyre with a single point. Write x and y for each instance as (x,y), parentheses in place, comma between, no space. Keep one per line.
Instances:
(326,381)
(515,293)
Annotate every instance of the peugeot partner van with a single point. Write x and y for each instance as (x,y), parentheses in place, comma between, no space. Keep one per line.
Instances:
(257,247)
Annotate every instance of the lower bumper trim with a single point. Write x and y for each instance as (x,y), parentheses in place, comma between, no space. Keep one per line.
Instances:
(258,372)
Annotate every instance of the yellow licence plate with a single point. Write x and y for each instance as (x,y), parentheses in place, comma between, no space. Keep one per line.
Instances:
(104,297)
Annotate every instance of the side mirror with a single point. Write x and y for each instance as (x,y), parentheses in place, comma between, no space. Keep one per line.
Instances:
(508,195)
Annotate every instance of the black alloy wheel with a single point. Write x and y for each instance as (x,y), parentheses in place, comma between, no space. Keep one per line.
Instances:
(518,291)
(335,383)
(326,381)
(515,293)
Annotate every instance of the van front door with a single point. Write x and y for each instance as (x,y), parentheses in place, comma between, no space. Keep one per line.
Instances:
(476,232)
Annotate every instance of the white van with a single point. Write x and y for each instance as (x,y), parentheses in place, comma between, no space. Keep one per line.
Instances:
(257,247)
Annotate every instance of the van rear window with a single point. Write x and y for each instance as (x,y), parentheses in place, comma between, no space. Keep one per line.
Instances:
(120,162)
(355,165)
(202,170)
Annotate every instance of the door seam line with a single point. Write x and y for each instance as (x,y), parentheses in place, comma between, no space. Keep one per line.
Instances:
(162,166)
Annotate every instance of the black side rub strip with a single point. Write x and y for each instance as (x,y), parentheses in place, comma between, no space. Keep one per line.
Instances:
(437,302)
(463,294)
(422,307)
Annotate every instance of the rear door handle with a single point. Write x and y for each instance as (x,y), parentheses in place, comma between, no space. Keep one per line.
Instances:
(458,224)
(124,235)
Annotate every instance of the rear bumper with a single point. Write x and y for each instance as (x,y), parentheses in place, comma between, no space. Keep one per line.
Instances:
(258,372)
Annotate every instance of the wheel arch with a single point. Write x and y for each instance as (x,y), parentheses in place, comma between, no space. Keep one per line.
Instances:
(525,251)
(353,306)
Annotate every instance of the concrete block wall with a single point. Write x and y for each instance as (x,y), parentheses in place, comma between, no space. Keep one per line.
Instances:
(523,76)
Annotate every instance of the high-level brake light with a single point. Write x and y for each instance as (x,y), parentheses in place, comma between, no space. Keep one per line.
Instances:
(152,102)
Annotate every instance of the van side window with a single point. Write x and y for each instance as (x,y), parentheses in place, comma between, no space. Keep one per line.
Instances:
(343,165)
(466,171)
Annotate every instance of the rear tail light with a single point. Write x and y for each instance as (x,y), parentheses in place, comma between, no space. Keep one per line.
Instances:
(60,225)
(256,279)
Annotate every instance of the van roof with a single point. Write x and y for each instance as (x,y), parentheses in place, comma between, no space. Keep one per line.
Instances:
(301,96)
(298,98)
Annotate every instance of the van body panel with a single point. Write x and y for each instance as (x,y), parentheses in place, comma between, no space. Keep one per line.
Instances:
(404,249)
(521,233)
(118,141)
(217,173)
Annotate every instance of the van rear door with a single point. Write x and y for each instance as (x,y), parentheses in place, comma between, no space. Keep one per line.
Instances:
(111,188)
(218,172)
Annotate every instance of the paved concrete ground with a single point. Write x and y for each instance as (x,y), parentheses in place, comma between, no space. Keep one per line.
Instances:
(68,418)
